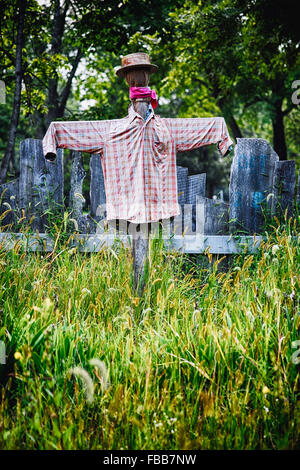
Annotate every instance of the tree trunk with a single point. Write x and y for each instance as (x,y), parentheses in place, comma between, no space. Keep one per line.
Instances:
(67,89)
(14,166)
(17,95)
(279,142)
(236,131)
(56,44)
(57,102)
(229,117)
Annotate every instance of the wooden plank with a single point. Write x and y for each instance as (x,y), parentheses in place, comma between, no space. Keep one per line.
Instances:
(97,191)
(40,242)
(76,199)
(212,216)
(251,181)
(217,244)
(284,186)
(187,189)
(40,183)
(196,186)
(182,181)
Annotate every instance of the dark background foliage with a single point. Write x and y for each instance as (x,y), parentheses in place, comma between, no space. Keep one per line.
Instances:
(234,58)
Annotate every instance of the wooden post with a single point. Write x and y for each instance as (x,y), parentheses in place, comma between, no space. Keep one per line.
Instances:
(140,243)
(140,248)
(251,181)
(41,183)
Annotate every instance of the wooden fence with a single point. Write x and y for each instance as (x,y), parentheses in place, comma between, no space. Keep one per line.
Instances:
(258,182)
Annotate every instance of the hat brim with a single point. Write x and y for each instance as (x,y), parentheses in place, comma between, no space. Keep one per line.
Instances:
(122,70)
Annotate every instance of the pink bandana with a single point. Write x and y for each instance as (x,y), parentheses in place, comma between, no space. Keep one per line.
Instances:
(143,92)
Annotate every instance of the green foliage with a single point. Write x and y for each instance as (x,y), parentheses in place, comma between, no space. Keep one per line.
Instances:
(25,131)
(293,136)
(231,56)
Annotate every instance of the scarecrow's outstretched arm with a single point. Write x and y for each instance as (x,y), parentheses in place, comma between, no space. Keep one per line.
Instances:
(191,133)
(83,136)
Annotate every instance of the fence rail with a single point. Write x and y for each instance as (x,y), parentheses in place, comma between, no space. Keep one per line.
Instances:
(216,244)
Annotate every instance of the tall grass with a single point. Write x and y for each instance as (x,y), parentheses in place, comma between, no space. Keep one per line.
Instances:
(203,360)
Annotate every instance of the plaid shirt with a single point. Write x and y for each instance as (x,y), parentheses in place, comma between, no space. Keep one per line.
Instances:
(138,158)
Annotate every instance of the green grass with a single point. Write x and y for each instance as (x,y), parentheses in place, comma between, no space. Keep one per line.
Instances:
(203,360)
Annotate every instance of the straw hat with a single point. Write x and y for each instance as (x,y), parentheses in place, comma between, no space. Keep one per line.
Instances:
(136,60)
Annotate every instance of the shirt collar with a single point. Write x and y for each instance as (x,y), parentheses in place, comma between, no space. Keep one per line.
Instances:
(132,114)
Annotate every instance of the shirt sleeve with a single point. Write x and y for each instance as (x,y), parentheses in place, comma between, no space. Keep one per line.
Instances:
(192,133)
(83,136)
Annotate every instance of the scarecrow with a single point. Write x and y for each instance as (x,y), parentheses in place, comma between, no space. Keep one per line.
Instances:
(138,153)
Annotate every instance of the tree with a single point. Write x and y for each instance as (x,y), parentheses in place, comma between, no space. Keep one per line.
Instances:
(57,37)
(73,29)
(239,53)
(22,4)
(85,29)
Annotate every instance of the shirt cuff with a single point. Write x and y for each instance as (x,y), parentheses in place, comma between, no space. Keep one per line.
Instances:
(50,157)
(225,146)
